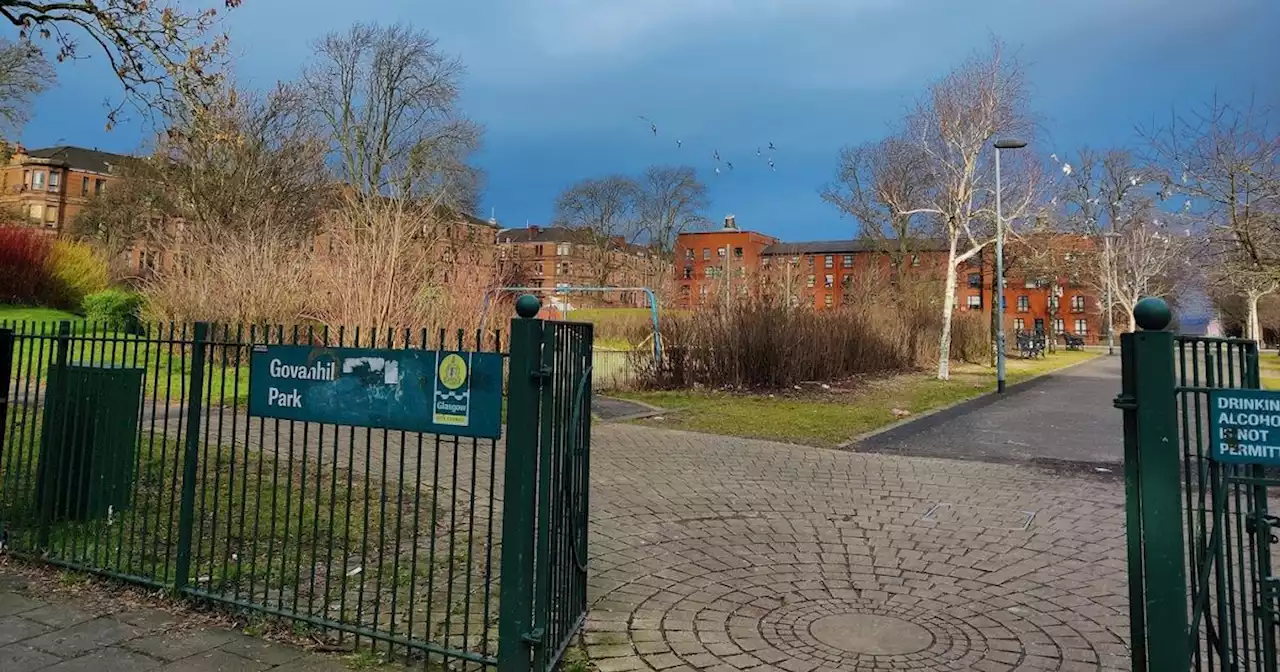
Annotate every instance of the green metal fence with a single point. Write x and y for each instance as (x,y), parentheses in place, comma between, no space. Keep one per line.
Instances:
(132,455)
(1202,551)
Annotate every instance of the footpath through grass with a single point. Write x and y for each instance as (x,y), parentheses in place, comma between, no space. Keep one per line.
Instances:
(819,417)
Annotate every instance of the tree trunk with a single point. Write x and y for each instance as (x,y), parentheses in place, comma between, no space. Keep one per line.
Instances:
(1253,326)
(948,306)
(1132,324)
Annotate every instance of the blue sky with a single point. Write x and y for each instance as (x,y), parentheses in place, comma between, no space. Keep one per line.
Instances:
(558,84)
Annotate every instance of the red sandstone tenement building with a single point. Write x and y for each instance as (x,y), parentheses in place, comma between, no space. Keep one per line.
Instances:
(49,186)
(563,258)
(714,266)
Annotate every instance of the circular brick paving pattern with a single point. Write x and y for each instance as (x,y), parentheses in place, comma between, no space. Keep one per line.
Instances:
(718,553)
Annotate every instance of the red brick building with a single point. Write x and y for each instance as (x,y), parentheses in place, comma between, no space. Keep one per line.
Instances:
(49,186)
(559,257)
(716,266)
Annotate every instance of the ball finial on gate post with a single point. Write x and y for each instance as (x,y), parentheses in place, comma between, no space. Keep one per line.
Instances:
(527,306)
(1152,314)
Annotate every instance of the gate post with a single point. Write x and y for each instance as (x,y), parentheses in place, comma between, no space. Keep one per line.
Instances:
(6,370)
(519,499)
(191,455)
(1153,497)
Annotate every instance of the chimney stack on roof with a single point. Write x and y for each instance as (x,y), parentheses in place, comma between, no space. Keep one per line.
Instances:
(730,224)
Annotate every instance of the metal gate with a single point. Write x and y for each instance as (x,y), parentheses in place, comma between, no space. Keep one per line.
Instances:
(132,455)
(1201,539)
(545,529)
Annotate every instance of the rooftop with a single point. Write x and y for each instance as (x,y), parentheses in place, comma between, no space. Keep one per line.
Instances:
(849,246)
(79,158)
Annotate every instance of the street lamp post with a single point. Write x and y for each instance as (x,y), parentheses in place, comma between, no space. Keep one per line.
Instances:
(999,307)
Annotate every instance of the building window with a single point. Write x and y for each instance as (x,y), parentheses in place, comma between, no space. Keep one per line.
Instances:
(795,261)
(810,282)
(37,180)
(1019,324)
(827,301)
(828,261)
(764,261)
(537,269)
(846,282)
(563,249)
(37,211)
(810,259)
(847,262)
(1077,303)
(562,268)
(99,185)
(829,281)
(975,280)
(1031,284)
(688,254)
(51,215)
(1082,327)
(1024,304)
(706,253)
(975,301)
(84,187)
(737,252)
(688,272)
(53,180)
(1059,325)
(915,260)
(537,250)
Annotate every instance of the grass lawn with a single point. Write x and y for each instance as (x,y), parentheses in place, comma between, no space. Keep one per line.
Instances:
(831,417)
(1269,370)
(29,314)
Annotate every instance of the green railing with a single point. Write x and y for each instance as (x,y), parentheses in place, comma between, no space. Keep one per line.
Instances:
(133,455)
(1203,595)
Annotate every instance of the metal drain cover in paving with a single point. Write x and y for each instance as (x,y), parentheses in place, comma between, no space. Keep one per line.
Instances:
(980,516)
(871,634)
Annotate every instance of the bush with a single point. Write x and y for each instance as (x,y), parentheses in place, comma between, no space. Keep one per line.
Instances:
(78,270)
(25,276)
(115,308)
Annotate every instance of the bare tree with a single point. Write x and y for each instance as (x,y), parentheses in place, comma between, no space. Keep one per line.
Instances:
(118,218)
(388,97)
(672,201)
(953,128)
(160,54)
(24,74)
(605,210)
(1148,249)
(875,184)
(1097,191)
(245,162)
(1226,163)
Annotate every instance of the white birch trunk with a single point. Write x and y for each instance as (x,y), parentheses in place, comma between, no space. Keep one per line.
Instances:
(948,307)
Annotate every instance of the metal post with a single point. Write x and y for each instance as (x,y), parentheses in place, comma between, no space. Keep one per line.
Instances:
(6,369)
(1156,549)
(524,385)
(999,307)
(190,458)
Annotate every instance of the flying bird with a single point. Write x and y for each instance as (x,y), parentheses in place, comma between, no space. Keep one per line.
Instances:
(771,147)
(1054,157)
(717,170)
(1066,169)
(652,126)
(730,164)
(758,152)
(715,154)
(679,144)
(1133,180)
(771,166)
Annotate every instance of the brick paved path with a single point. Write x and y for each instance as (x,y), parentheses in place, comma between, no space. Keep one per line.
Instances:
(721,554)
(51,634)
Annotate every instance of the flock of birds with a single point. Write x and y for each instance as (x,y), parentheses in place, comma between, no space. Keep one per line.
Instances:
(721,164)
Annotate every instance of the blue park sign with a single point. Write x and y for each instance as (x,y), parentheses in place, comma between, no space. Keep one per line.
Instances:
(433,391)
(1244,426)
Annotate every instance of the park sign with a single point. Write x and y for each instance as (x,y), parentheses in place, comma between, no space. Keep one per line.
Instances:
(1244,426)
(438,392)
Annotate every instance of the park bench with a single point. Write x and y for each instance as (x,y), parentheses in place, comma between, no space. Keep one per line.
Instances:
(1030,345)
(1073,341)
